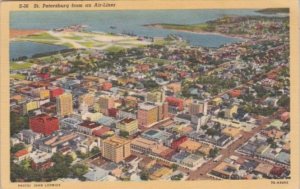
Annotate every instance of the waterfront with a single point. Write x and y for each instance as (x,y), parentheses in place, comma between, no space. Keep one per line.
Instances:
(113,22)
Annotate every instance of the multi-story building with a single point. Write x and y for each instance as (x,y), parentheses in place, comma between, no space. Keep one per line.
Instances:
(106,103)
(28,136)
(43,124)
(150,113)
(147,114)
(116,149)
(88,99)
(30,106)
(127,113)
(41,93)
(163,110)
(64,104)
(197,107)
(156,96)
(128,125)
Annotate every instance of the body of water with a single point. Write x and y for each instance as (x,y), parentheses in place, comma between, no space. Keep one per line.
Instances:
(122,22)
(18,49)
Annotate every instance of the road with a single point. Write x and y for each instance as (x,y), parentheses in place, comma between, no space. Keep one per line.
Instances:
(201,172)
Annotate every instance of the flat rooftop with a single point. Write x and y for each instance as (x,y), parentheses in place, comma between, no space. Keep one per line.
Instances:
(116,141)
(146,106)
(90,124)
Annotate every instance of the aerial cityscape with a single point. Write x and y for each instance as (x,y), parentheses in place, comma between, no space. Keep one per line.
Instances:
(138,95)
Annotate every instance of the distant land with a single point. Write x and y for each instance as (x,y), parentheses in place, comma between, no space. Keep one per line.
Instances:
(273,10)
(226,26)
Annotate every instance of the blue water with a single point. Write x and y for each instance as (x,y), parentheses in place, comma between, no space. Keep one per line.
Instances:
(124,21)
(28,49)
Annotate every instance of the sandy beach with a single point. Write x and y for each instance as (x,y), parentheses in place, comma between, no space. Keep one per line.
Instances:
(13,33)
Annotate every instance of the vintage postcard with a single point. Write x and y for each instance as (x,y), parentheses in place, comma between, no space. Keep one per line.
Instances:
(147,94)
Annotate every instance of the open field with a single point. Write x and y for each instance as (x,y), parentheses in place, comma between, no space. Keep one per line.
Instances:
(20,66)
(100,41)
(17,76)
(193,28)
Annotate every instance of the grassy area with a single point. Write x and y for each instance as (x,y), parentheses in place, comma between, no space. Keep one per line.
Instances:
(68,45)
(74,37)
(41,36)
(86,40)
(162,42)
(88,44)
(20,66)
(194,28)
(114,49)
(17,76)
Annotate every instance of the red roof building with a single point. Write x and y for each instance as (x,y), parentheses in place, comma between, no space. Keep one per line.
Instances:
(44,124)
(44,75)
(55,92)
(173,101)
(100,132)
(235,93)
(285,116)
(112,112)
(277,171)
(21,153)
(42,165)
(175,144)
(106,86)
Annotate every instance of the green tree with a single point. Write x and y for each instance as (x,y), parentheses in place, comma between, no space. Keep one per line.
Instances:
(174,167)
(144,175)
(59,159)
(213,152)
(95,150)
(284,101)
(177,177)
(212,132)
(17,148)
(18,123)
(25,164)
(78,170)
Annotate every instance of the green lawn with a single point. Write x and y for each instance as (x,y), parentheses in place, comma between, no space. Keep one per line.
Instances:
(41,36)
(193,27)
(18,76)
(114,49)
(67,45)
(20,66)
(88,44)
(74,37)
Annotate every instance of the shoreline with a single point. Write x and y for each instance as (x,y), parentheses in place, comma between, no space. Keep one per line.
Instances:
(15,33)
(199,32)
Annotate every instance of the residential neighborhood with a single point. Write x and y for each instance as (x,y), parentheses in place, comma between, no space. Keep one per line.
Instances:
(161,109)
